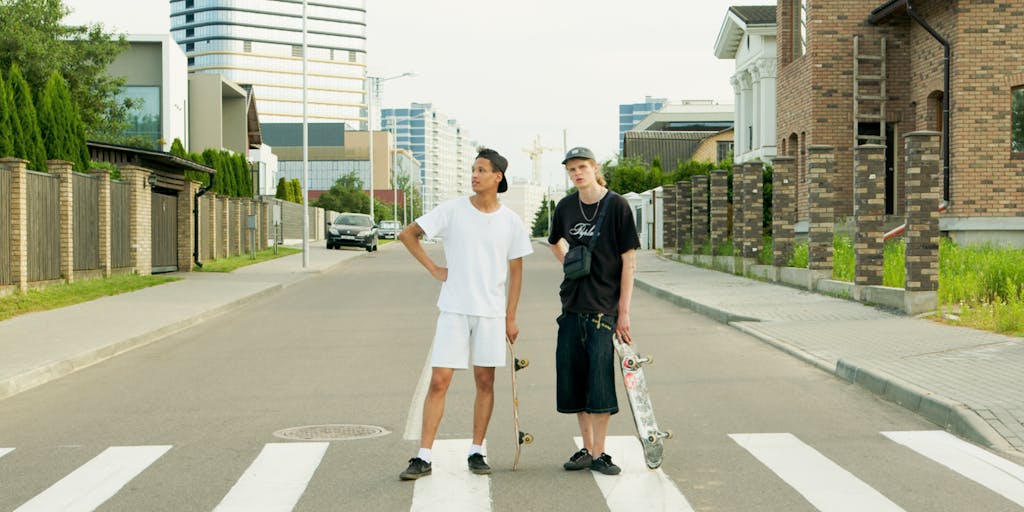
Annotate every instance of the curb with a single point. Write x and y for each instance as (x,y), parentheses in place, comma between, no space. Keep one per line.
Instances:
(719,315)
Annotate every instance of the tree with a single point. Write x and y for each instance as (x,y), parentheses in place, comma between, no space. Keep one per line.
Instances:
(61,126)
(628,175)
(282,189)
(346,195)
(178,149)
(32,36)
(296,191)
(6,142)
(28,140)
(542,218)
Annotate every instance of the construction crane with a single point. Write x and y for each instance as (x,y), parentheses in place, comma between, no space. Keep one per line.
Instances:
(536,152)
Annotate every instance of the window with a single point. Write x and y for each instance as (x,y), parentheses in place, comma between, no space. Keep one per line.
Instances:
(724,150)
(799,28)
(1017,122)
(144,118)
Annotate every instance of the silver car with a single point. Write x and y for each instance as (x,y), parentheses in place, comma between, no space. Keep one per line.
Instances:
(390,228)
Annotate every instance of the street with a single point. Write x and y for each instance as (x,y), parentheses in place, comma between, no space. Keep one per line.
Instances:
(188,423)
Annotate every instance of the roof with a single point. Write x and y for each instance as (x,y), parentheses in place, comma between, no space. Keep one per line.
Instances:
(755,14)
(148,158)
(887,10)
(665,135)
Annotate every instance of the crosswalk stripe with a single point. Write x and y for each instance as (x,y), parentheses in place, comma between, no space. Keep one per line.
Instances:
(820,481)
(5,451)
(276,479)
(450,486)
(89,486)
(991,471)
(636,487)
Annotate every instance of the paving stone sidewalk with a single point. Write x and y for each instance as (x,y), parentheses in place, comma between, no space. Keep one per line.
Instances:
(967,381)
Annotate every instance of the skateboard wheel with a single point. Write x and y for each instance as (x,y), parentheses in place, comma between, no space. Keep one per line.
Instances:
(651,438)
(648,360)
(525,438)
(522,363)
(668,434)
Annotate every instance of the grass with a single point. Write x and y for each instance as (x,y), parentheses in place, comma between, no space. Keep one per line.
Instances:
(61,295)
(236,262)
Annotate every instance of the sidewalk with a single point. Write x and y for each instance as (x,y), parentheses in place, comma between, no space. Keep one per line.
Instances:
(39,347)
(969,382)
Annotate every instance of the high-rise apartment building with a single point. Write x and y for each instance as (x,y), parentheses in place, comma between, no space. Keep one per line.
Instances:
(259,43)
(442,147)
(632,113)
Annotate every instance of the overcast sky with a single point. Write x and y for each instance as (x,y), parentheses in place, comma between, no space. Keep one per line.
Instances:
(510,71)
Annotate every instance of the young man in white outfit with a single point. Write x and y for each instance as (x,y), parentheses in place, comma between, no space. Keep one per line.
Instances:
(484,246)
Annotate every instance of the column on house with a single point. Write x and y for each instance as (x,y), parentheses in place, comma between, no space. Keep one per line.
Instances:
(766,70)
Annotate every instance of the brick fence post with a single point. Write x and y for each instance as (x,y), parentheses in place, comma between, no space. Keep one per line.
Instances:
(753,185)
(66,215)
(19,221)
(719,209)
(739,208)
(700,213)
(103,176)
(820,165)
(223,238)
(684,230)
(923,195)
(869,214)
(784,180)
(670,200)
(140,223)
(186,225)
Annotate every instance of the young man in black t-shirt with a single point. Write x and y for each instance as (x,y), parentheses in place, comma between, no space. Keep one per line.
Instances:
(594,307)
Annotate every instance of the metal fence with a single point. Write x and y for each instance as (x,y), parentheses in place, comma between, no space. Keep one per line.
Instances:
(120,257)
(86,220)
(43,226)
(5,227)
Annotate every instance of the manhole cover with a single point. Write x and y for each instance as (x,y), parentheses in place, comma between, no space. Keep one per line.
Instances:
(331,432)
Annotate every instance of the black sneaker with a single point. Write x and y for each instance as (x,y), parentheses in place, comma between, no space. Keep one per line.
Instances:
(477,465)
(605,465)
(417,468)
(579,460)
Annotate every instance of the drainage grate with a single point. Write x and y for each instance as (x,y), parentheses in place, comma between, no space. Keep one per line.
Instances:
(342,432)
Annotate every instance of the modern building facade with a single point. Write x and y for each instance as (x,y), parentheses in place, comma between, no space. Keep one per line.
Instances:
(632,113)
(748,37)
(443,148)
(259,43)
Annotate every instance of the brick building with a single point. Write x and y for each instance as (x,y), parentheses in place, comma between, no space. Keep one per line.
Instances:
(866,71)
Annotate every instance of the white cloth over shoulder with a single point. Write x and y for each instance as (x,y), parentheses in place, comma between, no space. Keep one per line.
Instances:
(477,249)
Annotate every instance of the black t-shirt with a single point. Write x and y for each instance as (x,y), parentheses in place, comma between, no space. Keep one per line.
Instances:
(599,291)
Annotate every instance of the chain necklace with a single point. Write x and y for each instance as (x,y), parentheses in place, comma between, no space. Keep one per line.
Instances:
(591,218)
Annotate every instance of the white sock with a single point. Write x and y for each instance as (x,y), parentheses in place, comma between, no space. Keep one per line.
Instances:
(475,449)
(424,454)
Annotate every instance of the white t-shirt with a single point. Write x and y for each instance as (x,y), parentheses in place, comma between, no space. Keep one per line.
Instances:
(477,249)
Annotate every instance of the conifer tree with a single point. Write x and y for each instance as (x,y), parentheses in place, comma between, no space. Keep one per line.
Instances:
(32,148)
(6,143)
(282,189)
(61,126)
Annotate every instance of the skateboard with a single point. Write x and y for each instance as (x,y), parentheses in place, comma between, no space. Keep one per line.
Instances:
(640,403)
(521,437)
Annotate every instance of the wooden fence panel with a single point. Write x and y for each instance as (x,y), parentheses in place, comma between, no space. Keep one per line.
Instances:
(205,240)
(164,230)
(5,227)
(43,227)
(120,218)
(86,191)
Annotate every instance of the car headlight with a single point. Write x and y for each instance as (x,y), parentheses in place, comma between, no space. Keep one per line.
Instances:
(334,231)
(364,234)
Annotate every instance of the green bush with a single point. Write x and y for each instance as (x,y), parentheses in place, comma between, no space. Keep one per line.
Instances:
(843,260)
(801,255)
(895,272)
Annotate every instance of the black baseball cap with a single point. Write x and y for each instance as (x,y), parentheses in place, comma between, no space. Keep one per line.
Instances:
(499,163)
(579,152)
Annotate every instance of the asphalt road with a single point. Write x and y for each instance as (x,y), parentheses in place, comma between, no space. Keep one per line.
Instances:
(755,429)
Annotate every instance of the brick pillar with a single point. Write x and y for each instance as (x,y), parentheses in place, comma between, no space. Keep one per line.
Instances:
(924,193)
(66,215)
(247,234)
(237,222)
(264,224)
(820,165)
(224,211)
(719,209)
(869,214)
(186,225)
(670,222)
(209,215)
(739,207)
(784,213)
(104,228)
(753,222)
(140,223)
(684,197)
(19,221)
(700,212)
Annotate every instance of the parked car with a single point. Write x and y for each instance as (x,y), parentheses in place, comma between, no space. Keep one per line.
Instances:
(390,228)
(353,229)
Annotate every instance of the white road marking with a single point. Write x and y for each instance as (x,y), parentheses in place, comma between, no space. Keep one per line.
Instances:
(89,486)
(276,479)
(636,487)
(5,451)
(414,420)
(991,471)
(450,486)
(822,482)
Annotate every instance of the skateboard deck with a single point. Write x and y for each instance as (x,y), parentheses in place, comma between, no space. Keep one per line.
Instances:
(640,405)
(521,437)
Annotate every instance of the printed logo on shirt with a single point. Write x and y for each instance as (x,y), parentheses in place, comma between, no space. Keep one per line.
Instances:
(583,230)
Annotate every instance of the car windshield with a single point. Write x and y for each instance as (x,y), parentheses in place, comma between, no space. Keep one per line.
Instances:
(353,220)
(389,223)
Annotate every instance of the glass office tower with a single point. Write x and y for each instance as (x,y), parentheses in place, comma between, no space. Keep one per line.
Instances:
(259,42)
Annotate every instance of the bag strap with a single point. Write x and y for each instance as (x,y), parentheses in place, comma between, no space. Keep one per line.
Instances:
(600,221)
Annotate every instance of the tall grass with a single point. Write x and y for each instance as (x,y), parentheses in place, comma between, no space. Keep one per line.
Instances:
(843,260)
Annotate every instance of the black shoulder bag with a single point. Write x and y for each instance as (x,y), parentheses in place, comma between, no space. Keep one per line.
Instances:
(576,263)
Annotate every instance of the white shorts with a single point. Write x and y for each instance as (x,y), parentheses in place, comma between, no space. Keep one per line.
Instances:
(458,335)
